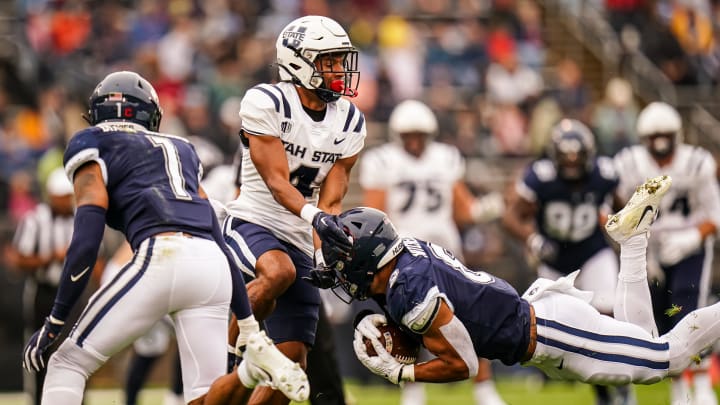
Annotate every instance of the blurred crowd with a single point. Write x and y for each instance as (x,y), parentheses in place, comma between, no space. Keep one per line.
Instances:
(482,65)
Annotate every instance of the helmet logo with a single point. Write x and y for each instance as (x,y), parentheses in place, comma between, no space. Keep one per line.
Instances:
(293,38)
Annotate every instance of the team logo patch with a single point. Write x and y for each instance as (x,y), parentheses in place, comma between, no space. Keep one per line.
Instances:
(285,127)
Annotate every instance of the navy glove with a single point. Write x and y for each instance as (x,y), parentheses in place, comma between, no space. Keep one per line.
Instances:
(232,359)
(39,343)
(331,233)
(321,278)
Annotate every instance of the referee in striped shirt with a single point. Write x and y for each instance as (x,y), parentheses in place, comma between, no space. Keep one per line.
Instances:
(38,251)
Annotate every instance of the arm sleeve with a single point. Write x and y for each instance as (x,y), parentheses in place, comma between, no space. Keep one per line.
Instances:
(82,253)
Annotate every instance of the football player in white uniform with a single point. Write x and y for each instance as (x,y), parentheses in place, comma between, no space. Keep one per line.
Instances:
(682,237)
(302,140)
(419,184)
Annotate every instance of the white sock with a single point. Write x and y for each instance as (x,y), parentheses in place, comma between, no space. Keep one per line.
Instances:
(63,386)
(247,327)
(412,394)
(632,295)
(485,393)
(704,392)
(679,391)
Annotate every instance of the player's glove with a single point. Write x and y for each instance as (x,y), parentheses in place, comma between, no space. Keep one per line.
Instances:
(677,245)
(331,233)
(39,342)
(321,276)
(383,364)
(368,324)
(542,248)
(487,208)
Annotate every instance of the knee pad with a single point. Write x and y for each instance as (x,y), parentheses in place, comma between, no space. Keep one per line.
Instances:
(71,356)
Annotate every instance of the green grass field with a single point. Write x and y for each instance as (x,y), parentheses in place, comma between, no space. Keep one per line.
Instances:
(515,392)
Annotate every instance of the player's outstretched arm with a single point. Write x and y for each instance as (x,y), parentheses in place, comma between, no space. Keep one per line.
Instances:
(448,339)
(89,226)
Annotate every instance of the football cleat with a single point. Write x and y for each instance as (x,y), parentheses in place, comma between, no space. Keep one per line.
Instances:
(640,212)
(271,368)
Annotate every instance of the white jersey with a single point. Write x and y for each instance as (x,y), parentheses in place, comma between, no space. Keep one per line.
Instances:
(311,149)
(694,196)
(419,190)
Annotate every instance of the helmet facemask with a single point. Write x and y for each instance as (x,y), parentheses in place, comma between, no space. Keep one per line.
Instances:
(660,145)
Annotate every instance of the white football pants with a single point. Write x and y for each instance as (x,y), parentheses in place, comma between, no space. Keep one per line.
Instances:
(185,277)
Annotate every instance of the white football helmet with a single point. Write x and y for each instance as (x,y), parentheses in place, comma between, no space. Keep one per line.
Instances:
(412,116)
(300,44)
(659,127)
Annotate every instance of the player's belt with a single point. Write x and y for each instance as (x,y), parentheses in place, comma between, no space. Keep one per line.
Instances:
(533,337)
(183,234)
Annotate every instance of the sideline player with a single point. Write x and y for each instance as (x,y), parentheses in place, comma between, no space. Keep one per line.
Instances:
(419,183)
(302,138)
(681,242)
(145,184)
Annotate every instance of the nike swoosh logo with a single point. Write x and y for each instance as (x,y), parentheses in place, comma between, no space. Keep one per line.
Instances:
(647,209)
(76,277)
(338,142)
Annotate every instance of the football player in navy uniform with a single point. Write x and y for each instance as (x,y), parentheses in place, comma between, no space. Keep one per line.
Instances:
(146,184)
(682,239)
(419,183)
(556,211)
(461,314)
(302,136)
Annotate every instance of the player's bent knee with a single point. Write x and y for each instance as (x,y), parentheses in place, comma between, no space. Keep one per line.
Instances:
(71,356)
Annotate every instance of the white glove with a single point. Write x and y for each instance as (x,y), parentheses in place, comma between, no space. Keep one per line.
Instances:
(487,208)
(542,248)
(367,327)
(676,245)
(383,364)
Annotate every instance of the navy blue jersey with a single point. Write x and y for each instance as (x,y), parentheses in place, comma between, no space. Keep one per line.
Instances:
(568,212)
(497,319)
(151,178)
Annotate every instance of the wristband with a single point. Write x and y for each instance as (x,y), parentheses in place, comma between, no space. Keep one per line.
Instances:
(308,212)
(319,258)
(407,373)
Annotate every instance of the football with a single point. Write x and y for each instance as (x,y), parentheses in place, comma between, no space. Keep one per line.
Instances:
(399,344)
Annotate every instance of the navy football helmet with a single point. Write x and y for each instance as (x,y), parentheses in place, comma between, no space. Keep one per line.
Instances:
(572,149)
(125,96)
(375,243)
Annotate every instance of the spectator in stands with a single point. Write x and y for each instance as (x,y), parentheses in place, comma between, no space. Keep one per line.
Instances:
(659,44)
(511,89)
(613,118)
(570,90)
(690,23)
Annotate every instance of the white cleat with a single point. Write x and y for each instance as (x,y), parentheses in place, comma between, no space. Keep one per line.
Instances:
(270,367)
(640,212)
